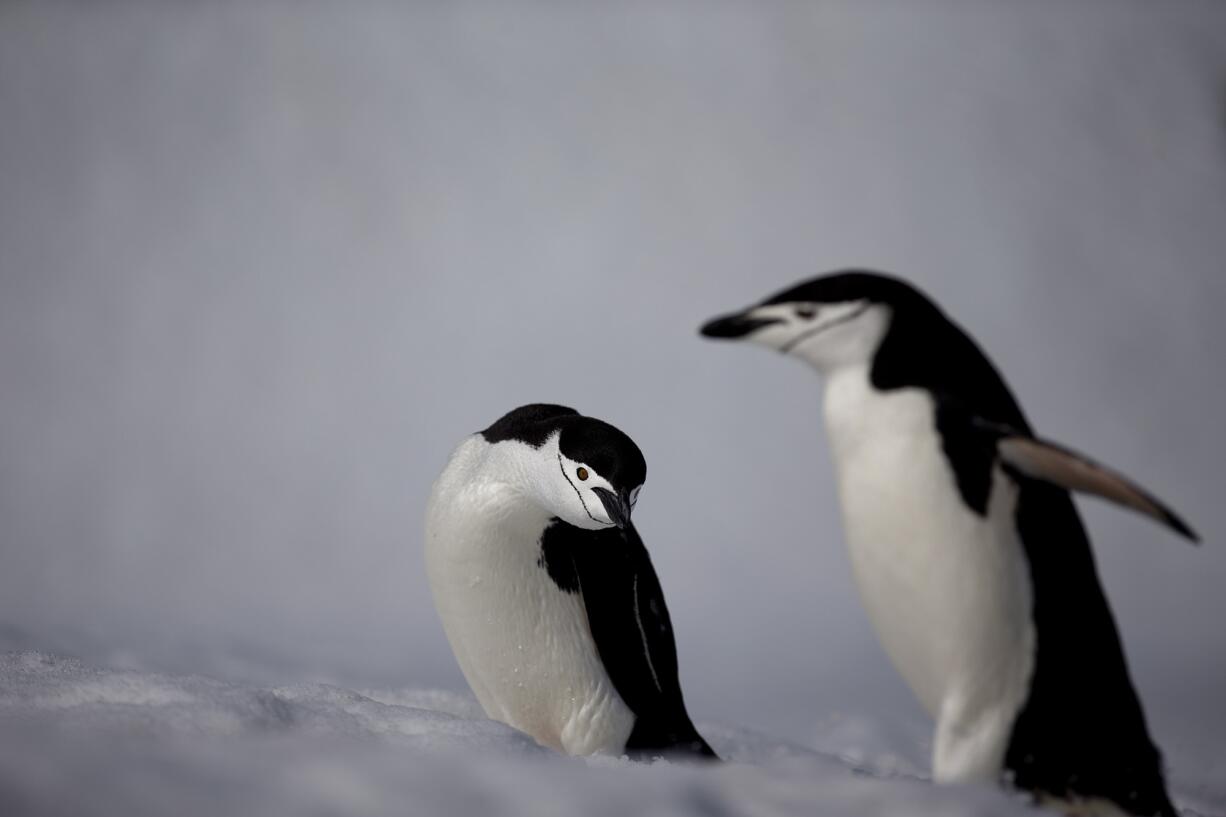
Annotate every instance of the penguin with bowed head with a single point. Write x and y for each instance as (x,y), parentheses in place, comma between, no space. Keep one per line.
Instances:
(967,550)
(546,591)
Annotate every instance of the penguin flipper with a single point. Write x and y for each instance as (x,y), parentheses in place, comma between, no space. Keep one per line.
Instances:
(634,636)
(1043,460)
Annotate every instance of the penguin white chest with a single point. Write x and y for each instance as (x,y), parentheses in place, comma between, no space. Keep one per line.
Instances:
(946,588)
(524,644)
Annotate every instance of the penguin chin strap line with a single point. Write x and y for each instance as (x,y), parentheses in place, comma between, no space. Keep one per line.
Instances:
(808,333)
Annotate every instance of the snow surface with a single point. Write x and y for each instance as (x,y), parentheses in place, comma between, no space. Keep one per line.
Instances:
(82,740)
(88,741)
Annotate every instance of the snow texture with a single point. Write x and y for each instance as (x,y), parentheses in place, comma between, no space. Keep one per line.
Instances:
(81,740)
(77,739)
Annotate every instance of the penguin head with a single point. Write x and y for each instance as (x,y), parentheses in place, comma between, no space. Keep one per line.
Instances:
(584,471)
(830,321)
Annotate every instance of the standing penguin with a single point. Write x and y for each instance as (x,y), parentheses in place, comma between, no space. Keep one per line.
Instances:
(969,555)
(546,591)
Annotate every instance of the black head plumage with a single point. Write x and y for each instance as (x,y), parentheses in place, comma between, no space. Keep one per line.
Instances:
(583,439)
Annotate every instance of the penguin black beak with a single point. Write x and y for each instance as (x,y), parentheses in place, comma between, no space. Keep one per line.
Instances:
(736,325)
(617,506)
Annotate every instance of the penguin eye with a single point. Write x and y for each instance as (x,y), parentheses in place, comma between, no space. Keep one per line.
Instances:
(806,311)
(581,473)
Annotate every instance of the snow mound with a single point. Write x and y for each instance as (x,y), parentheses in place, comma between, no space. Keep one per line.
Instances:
(63,693)
(81,740)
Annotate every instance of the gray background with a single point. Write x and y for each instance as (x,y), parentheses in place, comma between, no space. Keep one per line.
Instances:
(262,265)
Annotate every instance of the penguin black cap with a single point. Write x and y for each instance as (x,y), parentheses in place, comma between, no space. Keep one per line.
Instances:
(583,439)
(831,288)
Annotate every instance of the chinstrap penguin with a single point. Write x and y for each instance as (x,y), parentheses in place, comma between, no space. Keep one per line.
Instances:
(546,591)
(967,550)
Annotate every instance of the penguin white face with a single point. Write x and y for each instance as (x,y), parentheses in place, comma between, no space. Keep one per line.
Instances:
(579,493)
(581,470)
(826,334)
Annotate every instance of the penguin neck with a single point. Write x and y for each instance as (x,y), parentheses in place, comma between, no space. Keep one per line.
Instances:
(857,412)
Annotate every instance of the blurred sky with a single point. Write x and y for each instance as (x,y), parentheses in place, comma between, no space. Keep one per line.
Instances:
(263,264)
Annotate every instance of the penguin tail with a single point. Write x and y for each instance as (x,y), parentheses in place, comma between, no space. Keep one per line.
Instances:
(692,745)
(700,748)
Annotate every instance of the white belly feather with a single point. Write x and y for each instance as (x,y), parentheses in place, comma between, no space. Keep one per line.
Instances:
(947,590)
(524,646)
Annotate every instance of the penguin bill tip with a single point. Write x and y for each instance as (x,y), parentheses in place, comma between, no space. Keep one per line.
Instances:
(734,326)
